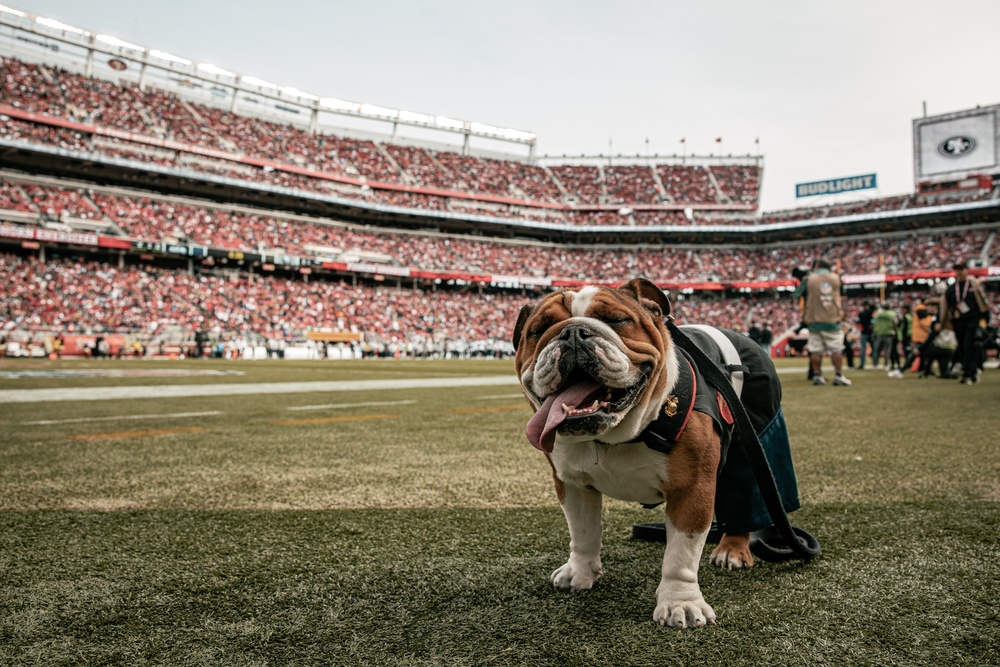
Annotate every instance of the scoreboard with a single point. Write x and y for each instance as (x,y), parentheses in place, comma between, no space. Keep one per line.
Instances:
(956,145)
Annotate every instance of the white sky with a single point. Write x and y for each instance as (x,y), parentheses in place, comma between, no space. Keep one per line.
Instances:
(830,88)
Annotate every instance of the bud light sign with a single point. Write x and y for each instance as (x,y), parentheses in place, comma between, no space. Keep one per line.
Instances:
(836,185)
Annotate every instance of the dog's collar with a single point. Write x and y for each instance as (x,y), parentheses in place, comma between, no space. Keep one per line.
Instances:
(676,410)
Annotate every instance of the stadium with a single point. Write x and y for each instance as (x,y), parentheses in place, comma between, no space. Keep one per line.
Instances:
(203,228)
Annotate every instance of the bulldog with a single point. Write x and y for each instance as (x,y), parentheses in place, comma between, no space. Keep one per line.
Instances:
(599,367)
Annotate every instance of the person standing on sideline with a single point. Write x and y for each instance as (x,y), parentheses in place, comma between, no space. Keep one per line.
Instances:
(864,322)
(963,306)
(823,313)
(920,326)
(905,330)
(766,338)
(884,332)
(754,332)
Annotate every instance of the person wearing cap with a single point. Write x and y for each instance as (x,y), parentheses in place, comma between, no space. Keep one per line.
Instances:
(884,331)
(963,309)
(823,313)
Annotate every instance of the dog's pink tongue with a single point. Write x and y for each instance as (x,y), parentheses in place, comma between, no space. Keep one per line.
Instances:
(541,429)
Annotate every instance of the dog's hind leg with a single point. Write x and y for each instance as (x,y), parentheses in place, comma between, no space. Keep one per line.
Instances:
(733,552)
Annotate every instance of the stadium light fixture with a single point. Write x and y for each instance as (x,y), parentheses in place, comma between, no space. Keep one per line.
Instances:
(290,90)
(114,41)
(414,117)
(482,128)
(59,25)
(11,10)
(212,69)
(339,105)
(518,135)
(169,57)
(444,121)
(260,83)
(375,110)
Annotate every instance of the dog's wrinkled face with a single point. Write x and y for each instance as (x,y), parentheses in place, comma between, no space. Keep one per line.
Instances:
(594,362)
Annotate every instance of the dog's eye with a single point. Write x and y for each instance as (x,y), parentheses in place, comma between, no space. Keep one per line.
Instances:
(539,329)
(616,320)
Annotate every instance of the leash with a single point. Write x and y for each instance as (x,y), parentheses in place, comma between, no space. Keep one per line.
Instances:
(782,541)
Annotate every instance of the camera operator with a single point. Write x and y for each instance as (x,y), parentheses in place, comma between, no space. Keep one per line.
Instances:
(823,314)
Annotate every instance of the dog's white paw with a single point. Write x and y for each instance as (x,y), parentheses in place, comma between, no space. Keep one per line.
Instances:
(684,613)
(579,576)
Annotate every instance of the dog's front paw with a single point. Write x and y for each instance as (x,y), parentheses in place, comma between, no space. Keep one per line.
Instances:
(577,576)
(694,613)
(733,552)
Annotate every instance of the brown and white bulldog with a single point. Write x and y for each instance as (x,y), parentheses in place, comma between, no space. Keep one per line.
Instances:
(598,366)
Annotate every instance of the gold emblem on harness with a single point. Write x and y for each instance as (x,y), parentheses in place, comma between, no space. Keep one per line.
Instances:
(670,407)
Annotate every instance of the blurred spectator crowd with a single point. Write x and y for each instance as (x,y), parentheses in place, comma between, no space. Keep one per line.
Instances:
(153,113)
(374,172)
(93,296)
(178,220)
(87,297)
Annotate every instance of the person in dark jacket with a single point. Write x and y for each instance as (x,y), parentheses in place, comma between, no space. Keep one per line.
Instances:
(964,309)
(865,322)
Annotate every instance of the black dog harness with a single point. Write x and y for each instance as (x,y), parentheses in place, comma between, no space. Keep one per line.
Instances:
(690,394)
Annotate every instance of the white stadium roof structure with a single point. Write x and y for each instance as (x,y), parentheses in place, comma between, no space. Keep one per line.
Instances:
(37,37)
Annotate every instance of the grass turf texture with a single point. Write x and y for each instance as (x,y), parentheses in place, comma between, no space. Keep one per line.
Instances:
(427,538)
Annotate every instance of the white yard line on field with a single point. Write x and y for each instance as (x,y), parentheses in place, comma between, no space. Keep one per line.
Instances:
(168,415)
(175,391)
(342,406)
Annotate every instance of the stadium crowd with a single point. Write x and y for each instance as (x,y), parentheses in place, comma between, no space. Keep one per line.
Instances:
(179,220)
(94,296)
(86,296)
(148,112)
(526,181)
(156,114)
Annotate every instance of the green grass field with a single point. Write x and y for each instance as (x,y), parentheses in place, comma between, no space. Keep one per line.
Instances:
(419,527)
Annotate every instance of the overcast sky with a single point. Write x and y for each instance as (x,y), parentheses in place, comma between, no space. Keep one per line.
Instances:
(830,88)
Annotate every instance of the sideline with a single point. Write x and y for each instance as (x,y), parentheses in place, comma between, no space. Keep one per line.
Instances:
(183,391)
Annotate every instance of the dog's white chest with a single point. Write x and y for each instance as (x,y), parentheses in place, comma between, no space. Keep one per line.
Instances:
(629,472)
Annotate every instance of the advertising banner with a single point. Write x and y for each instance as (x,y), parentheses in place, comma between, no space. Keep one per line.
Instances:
(834,186)
(48,235)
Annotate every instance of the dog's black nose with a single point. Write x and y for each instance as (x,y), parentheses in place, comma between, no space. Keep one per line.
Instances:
(574,335)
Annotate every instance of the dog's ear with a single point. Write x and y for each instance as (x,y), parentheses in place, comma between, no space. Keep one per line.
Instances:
(649,295)
(522,317)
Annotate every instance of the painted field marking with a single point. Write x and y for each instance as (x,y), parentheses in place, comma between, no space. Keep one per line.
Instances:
(328,420)
(492,408)
(46,422)
(342,406)
(495,396)
(137,434)
(161,392)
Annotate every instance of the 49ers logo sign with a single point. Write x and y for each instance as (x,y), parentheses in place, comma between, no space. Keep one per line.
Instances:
(957,146)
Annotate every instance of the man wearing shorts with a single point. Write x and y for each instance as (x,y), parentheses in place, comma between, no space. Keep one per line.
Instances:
(822,313)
